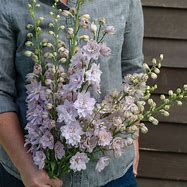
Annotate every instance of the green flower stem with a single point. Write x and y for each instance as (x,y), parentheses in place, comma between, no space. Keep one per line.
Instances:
(98,34)
(102,38)
(32,11)
(157,109)
(76,28)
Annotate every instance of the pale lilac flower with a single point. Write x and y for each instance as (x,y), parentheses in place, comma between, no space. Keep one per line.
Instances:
(93,76)
(30,77)
(80,60)
(39,159)
(66,112)
(110,30)
(59,150)
(89,144)
(76,80)
(35,116)
(92,49)
(129,102)
(105,137)
(72,133)
(102,163)
(117,145)
(33,136)
(105,50)
(78,161)
(47,140)
(64,90)
(35,92)
(84,104)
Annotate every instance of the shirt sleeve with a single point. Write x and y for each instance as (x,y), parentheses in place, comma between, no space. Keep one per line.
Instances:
(132,56)
(7,66)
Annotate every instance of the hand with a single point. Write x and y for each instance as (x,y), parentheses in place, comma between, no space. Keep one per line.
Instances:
(136,158)
(39,178)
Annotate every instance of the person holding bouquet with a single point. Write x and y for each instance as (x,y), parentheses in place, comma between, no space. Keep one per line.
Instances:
(16,165)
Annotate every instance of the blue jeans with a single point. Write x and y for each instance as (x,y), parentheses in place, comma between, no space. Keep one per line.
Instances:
(7,180)
(127,180)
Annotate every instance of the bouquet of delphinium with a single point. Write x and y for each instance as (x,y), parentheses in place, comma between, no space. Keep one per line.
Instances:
(67,127)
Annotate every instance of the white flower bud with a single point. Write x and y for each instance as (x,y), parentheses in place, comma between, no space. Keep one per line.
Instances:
(167,107)
(179,90)
(85,16)
(62,60)
(61,79)
(37,5)
(62,27)
(28,53)
(102,21)
(49,106)
(154,76)
(48,91)
(70,32)
(29,44)
(161,57)
(48,55)
(48,81)
(150,101)
(155,122)
(165,113)
(85,38)
(29,35)
(185,87)
(51,33)
(29,5)
(146,66)
(156,70)
(29,26)
(179,103)
(159,65)
(45,115)
(93,28)
(41,19)
(49,45)
(162,97)
(166,100)
(143,128)
(154,61)
(51,25)
(170,92)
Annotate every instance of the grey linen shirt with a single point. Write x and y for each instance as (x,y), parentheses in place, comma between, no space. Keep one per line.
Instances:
(127,57)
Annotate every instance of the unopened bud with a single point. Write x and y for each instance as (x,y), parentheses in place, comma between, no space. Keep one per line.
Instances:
(85,38)
(154,76)
(179,103)
(154,61)
(161,57)
(49,106)
(48,81)
(170,92)
(162,97)
(93,28)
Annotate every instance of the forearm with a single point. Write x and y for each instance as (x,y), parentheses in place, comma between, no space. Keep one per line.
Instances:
(12,140)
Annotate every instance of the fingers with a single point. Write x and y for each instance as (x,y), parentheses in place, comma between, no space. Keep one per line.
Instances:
(56,183)
(135,173)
